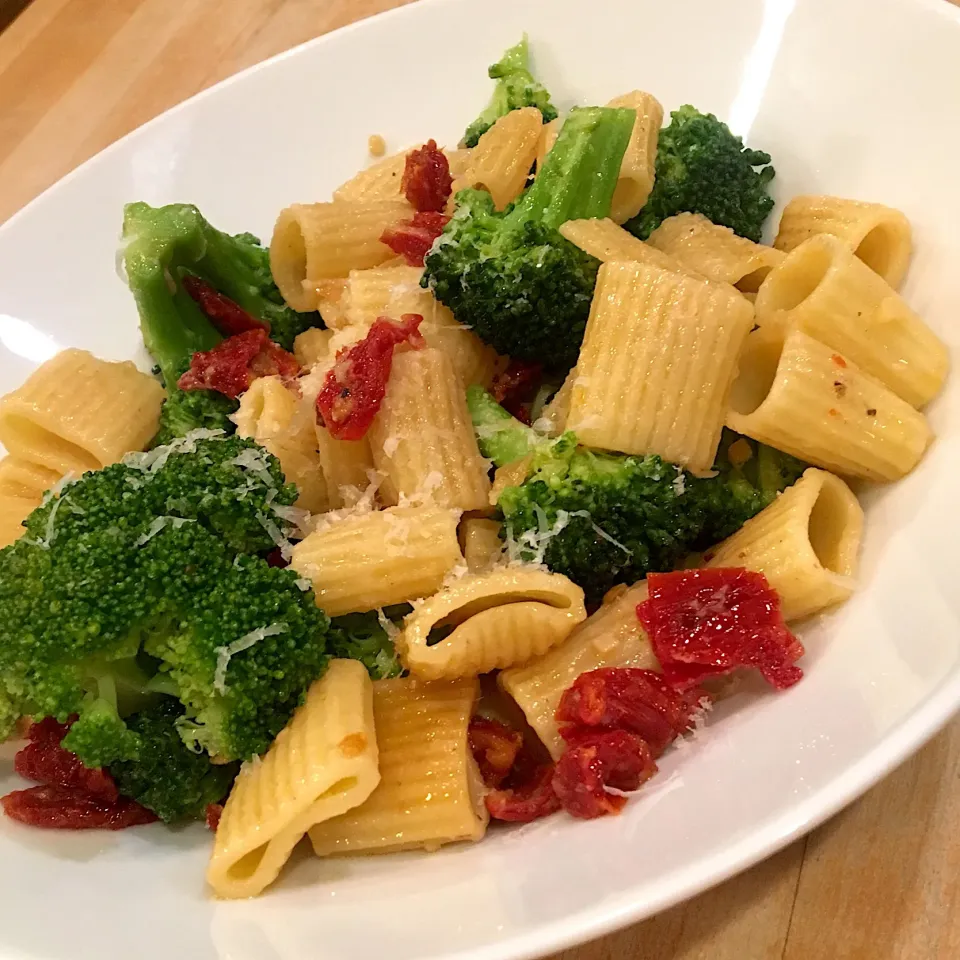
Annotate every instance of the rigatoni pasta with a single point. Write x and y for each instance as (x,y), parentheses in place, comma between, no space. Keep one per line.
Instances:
(323,763)
(379,558)
(804,398)
(42,423)
(879,235)
(430,792)
(23,478)
(423,433)
(14,510)
(658,357)
(639,161)
(490,621)
(805,543)
(824,290)
(480,542)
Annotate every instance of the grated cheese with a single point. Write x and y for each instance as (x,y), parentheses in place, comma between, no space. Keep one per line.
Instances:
(238,646)
(158,524)
(153,460)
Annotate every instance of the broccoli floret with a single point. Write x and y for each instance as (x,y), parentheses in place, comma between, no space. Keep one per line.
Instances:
(364,637)
(162,245)
(703,168)
(516,88)
(603,519)
(501,437)
(168,778)
(511,276)
(156,560)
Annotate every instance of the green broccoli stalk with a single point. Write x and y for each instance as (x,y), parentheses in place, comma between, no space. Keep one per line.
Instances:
(161,246)
(168,778)
(501,437)
(603,519)
(151,570)
(368,637)
(516,88)
(510,276)
(703,168)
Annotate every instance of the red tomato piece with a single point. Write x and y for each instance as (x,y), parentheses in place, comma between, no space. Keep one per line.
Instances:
(228,317)
(627,698)
(357,382)
(426,178)
(412,239)
(66,808)
(495,747)
(233,364)
(596,760)
(532,799)
(214,812)
(516,386)
(707,622)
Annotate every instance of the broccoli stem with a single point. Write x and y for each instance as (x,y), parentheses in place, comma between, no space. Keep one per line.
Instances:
(581,171)
(501,437)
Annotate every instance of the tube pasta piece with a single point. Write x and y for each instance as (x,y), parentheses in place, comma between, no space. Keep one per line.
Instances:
(395,291)
(77,413)
(347,467)
(611,637)
(380,181)
(498,619)
(376,559)
(423,433)
(311,346)
(329,300)
(548,137)
(802,397)
(509,475)
(21,478)
(322,764)
(805,543)
(322,241)
(607,241)
(268,414)
(824,290)
(715,252)
(658,357)
(13,510)
(430,791)
(501,161)
(880,236)
(553,418)
(637,168)
(480,542)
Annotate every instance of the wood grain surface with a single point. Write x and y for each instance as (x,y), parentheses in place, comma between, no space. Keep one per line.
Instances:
(881,881)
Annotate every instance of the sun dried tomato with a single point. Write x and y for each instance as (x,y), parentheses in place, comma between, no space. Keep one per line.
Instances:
(233,364)
(517,386)
(45,761)
(707,622)
(357,382)
(66,808)
(627,698)
(596,762)
(495,747)
(412,239)
(426,178)
(530,800)
(228,317)
(213,814)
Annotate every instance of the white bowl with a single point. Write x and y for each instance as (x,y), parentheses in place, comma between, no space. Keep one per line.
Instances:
(855,97)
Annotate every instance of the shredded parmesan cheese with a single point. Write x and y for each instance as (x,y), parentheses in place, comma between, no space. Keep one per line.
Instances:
(153,460)
(244,643)
(158,524)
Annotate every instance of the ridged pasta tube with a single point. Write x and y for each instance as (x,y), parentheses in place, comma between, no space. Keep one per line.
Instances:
(423,433)
(638,165)
(430,791)
(495,620)
(824,290)
(319,241)
(715,252)
(548,137)
(658,357)
(802,397)
(322,764)
(383,180)
(611,637)
(500,162)
(805,543)
(480,542)
(606,241)
(13,510)
(311,346)
(21,478)
(376,559)
(76,413)
(880,236)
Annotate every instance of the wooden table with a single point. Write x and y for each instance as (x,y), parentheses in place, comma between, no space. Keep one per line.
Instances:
(881,881)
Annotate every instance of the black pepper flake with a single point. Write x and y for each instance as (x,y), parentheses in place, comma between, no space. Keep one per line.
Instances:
(840,388)
(755,327)
(871,411)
